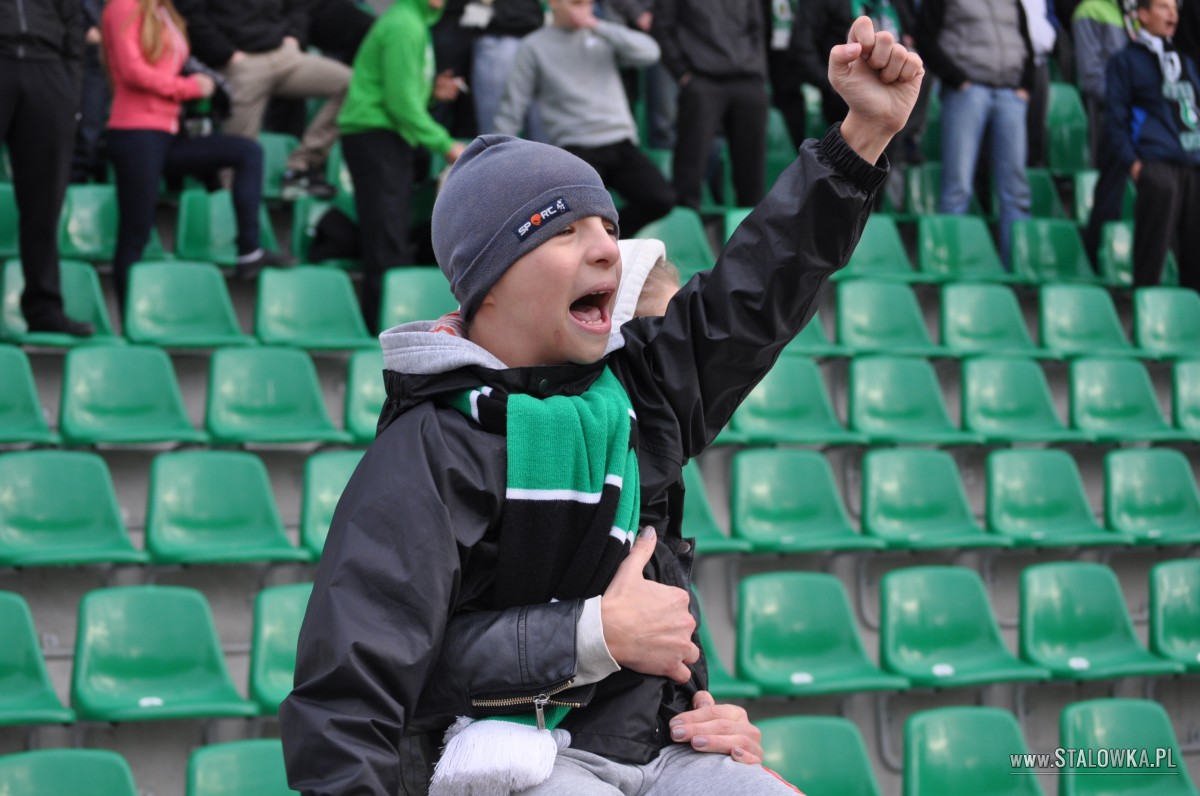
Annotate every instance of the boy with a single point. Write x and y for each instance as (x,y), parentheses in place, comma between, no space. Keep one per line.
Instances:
(571,69)
(430,600)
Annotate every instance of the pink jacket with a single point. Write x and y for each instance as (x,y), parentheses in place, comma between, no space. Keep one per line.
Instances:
(146,96)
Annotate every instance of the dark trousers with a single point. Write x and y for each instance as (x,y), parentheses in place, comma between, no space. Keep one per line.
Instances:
(1168,204)
(37,122)
(143,157)
(625,169)
(381,164)
(1108,198)
(787,95)
(704,106)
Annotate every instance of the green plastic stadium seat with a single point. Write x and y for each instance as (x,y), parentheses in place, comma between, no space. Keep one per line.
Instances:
(985,319)
(825,754)
(1175,611)
(875,316)
(790,405)
(214,507)
(786,501)
(82,301)
(278,614)
(26,693)
(1037,499)
(734,216)
(1050,250)
(1113,399)
(21,417)
(1122,724)
(938,630)
(953,751)
(881,254)
(87,227)
(923,189)
(898,399)
(307,212)
(311,307)
(1167,321)
(238,768)
(122,394)
(1116,256)
(813,342)
(781,150)
(325,476)
(150,652)
(1151,494)
(267,395)
(42,524)
(1081,320)
(1085,190)
(337,172)
(364,394)
(721,684)
(181,305)
(687,243)
(698,520)
(275,147)
(1007,399)
(9,221)
(1045,201)
(914,499)
(56,772)
(1066,131)
(414,293)
(1185,396)
(958,248)
(206,228)
(1074,622)
(796,636)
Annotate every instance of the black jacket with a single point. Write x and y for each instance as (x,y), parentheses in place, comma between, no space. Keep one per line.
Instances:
(382,667)
(41,30)
(718,39)
(216,28)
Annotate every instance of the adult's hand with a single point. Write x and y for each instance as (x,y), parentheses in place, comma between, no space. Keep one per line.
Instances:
(879,78)
(207,86)
(1135,170)
(647,625)
(719,729)
(452,154)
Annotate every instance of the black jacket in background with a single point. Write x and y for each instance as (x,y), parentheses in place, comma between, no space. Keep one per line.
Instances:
(714,38)
(216,28)
(820,26)
(1187,34)
(52,29)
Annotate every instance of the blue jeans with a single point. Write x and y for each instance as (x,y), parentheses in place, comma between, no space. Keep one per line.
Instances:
(967,114)
(491,62)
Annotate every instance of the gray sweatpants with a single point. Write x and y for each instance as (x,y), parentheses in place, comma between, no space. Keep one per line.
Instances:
(678,771)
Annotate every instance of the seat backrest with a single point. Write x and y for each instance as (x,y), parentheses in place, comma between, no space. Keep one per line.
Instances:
(238,768)
(896,394)
(734,216)
(1150,492)
(1175,610)
(21,417)
(22,668)
(365,393)
(957,247)
(1066,130)
(812,338)
(325,477)
(1070,611)
(875,315)
(1007,395)
(178,304)
(1122,724)
(57,772)
(1115,254)
(698,518)
(254,389)
(767,501)
(1080,319)
(956,750)
(297,306)
(1032,492)
(1167,320)
(983,318)
(1050,250)
(791,395)
(687,242)
(1044,199)
(206,227)
(278,614)
(83,300)
(9,221)
(88,222)
(275,148)
(414,293)
(912,489)
(824,754)
(1185,395)
(880,251)
(1111,394)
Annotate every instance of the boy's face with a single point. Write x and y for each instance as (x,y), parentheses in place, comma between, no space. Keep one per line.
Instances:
(1160,18)
(554,304)
(571,13)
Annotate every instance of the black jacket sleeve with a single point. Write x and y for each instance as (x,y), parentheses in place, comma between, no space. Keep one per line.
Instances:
(297,14)
(209,43)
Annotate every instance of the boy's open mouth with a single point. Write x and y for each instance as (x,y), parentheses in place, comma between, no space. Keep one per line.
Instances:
(592,309)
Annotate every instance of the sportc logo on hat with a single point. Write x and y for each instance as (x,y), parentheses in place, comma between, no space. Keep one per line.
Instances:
(559,205)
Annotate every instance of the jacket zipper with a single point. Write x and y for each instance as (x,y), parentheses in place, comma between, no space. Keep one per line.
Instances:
(539,702)
(24,26)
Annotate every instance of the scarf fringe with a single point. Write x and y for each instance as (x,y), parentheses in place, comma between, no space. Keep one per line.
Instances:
(495,758)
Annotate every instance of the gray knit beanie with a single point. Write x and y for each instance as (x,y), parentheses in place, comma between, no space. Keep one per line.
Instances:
(504,197)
